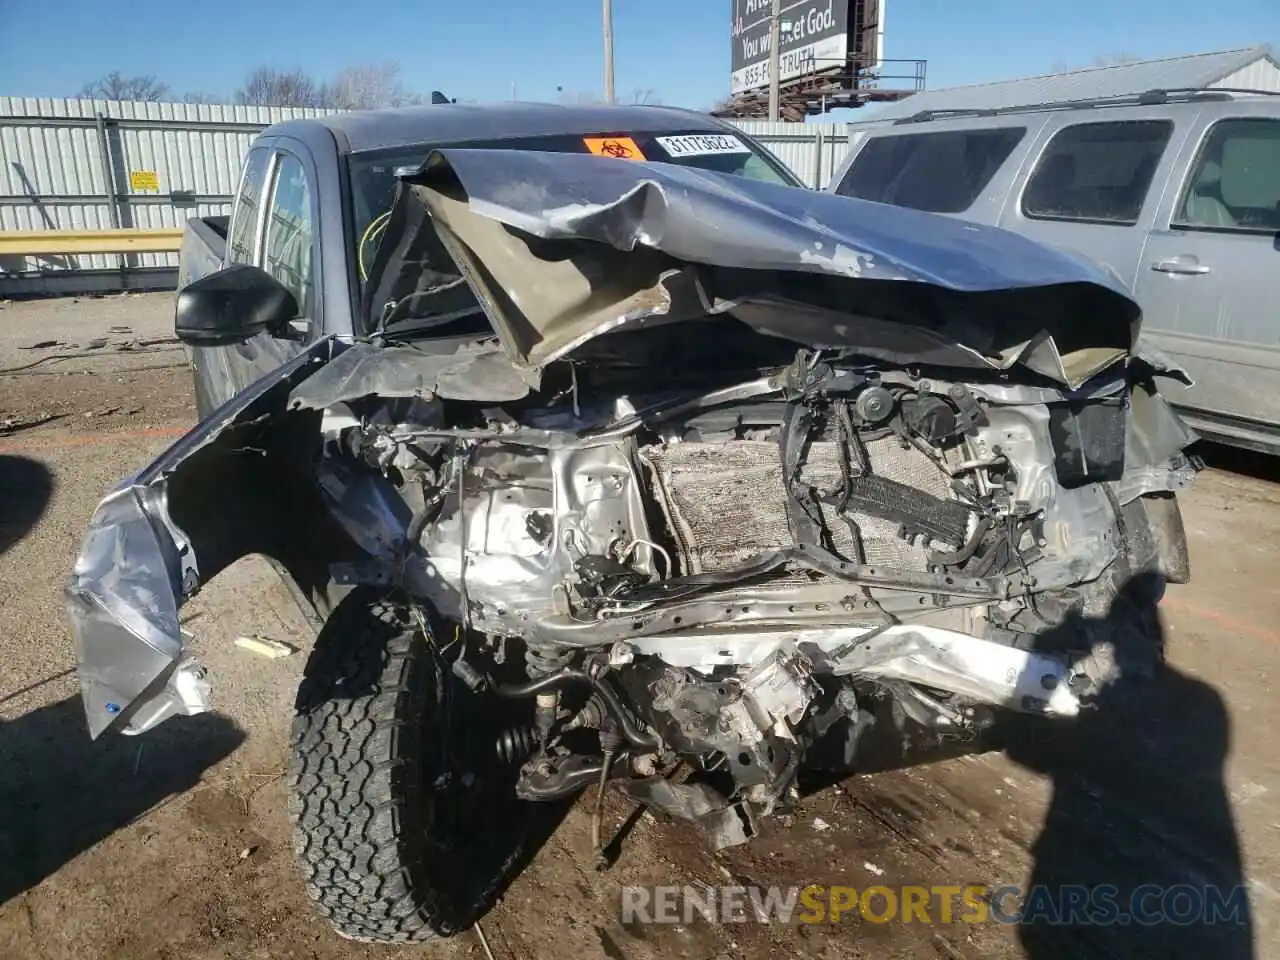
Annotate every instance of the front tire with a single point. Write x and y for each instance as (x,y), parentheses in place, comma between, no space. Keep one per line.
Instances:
(373,803)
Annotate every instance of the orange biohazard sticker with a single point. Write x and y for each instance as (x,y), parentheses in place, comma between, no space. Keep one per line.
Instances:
(624,148)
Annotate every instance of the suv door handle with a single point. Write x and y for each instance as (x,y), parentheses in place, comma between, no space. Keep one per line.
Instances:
(1184,264)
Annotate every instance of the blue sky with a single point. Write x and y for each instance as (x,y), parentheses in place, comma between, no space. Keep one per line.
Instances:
(476,49)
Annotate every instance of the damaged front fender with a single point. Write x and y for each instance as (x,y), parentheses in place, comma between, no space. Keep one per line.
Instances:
(134,570)
(161,534)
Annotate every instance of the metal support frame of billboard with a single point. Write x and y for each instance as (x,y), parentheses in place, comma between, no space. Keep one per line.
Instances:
(843,86)
(831,54)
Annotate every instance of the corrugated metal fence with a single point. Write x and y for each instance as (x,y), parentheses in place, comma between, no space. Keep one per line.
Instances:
(811,150)
(97,164)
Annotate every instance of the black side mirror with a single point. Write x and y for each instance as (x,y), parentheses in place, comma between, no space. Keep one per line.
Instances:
(231,306)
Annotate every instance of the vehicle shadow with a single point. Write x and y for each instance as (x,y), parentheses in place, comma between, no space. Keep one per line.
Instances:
(1250,463)
(506,834)
(1138,855)
(61,793)
(26,486)
(502,834)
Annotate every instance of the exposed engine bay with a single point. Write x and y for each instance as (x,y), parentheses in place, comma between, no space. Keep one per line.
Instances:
(703,512)
(740,574)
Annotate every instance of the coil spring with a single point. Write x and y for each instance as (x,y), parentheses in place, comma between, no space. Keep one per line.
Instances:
(541,659)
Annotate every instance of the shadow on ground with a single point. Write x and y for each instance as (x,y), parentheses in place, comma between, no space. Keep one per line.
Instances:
(26,487)
(1250,463)
(1139,855)
(61,793)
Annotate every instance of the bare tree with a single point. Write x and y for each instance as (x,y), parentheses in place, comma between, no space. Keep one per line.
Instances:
(268,87)
(116,86)
(358,87)
(371,86)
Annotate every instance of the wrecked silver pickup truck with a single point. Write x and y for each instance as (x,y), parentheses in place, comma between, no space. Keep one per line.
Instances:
(636,465)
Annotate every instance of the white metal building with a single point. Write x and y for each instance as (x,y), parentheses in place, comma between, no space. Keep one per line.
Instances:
(96,164)
(1251,68)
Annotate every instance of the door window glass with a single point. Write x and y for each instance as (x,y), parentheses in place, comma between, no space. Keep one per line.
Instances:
(1235,184)
(287,246)
(244,218)
(1099,172)
(939,172)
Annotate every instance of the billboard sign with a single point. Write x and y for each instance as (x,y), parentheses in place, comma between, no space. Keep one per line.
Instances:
(817,39)
(871,41)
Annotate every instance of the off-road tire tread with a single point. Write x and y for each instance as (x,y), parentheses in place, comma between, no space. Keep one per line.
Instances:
(356,776)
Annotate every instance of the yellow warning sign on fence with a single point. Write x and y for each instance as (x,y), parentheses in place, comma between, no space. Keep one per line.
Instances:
(144,180)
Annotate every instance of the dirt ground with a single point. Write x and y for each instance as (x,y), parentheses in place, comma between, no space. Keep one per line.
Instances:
(177,844)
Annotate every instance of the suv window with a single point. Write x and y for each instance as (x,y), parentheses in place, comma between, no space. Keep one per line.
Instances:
(1097,171)
(244,218)
(287,246)
(1235,184)
(938,172)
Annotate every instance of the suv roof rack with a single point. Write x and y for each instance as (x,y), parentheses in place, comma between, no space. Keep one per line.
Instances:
(1147,98)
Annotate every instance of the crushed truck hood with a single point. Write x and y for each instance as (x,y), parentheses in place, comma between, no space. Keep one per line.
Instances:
(562,248)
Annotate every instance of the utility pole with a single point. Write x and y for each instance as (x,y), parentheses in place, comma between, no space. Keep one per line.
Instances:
(608,49)
(775,41)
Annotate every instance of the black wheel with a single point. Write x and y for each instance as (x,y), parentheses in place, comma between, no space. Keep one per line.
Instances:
(396,842)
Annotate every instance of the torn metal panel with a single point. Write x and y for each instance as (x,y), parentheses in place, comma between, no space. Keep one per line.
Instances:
(559,248)
(1155,441)
(1161,363)
(136,568)
(367,506)
(989,672)
(123,600)
(474,371)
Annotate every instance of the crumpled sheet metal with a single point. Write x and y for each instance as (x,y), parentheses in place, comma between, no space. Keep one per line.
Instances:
(970,666)
(1005,298)
(475,372)
(705,217)
(136,568)
(368,508)
(123,604)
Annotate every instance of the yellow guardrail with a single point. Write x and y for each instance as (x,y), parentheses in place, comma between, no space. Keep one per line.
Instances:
(127,240)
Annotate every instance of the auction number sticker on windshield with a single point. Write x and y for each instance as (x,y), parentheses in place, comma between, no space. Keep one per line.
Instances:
(702,144)
(624,148)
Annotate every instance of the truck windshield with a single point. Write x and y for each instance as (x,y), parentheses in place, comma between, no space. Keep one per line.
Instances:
(373,173)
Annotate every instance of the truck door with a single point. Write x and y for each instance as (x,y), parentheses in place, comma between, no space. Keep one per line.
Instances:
(1209,282)
(214,368)
(1095,185)
(273,226)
